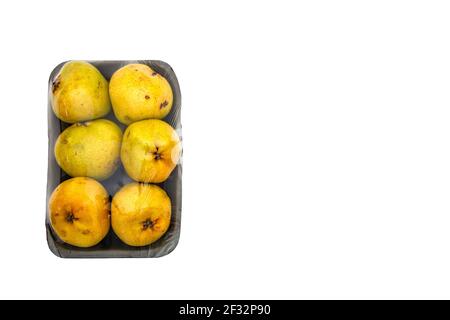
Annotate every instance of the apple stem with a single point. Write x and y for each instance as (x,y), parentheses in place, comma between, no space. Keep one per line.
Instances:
(71,218)
(157,155)
(147,224)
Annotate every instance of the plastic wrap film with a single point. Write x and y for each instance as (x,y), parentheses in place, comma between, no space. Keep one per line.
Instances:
(114,159)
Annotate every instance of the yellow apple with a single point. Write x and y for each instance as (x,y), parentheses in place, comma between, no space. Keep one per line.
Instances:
(138,92)
(150,150)
(89,149)
(140,213)
(79,212)
(79,92)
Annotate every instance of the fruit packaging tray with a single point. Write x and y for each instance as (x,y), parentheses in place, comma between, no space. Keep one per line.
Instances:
(111,246)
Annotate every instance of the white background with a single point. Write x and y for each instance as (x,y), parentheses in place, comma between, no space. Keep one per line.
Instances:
(316,136)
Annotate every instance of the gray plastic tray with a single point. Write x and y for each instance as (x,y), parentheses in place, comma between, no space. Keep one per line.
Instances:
(111,246)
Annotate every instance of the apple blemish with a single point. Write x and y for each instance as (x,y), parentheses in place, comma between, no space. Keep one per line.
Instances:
(55,84)
(163,104)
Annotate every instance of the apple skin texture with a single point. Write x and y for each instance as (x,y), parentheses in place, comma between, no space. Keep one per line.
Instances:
(140,213)
(137,92)
(79,211)
(89,149)
(79,93)
(150,150)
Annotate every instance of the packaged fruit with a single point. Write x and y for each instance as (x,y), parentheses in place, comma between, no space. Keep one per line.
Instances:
(114,159)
